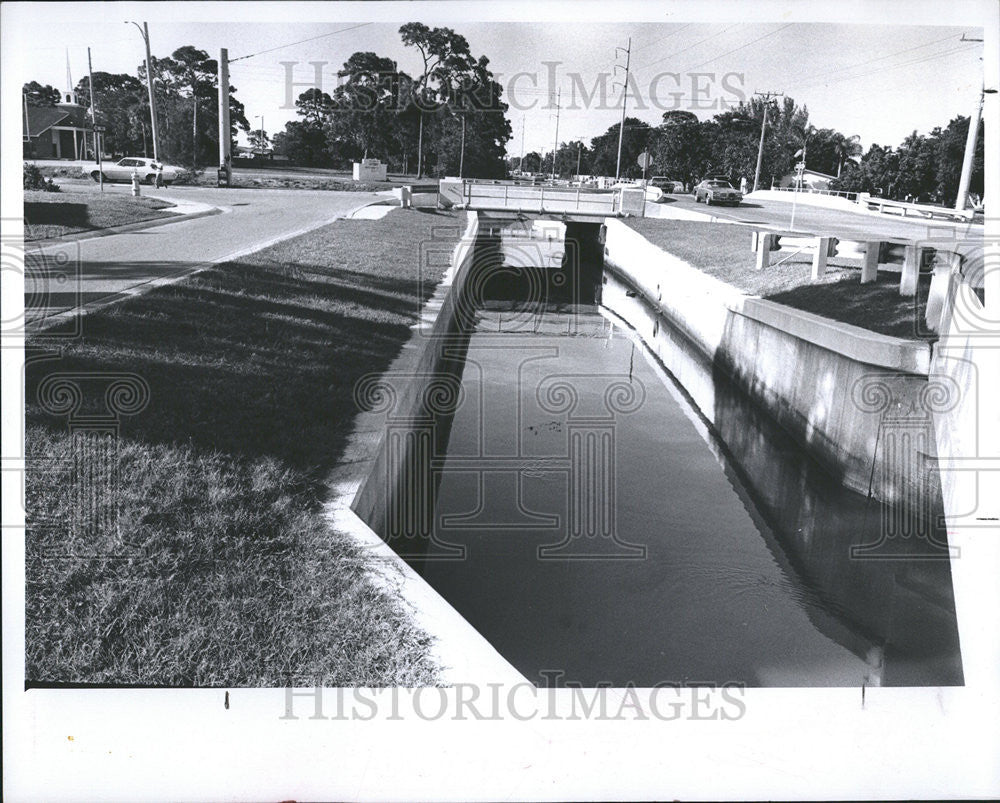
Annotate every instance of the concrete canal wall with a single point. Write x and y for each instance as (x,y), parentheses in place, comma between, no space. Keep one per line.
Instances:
(860,403)
(362,484)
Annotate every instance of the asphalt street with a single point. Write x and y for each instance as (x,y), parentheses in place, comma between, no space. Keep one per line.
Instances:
(63,276)
(817,220)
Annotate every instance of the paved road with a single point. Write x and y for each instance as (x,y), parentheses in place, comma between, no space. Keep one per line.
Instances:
(62,277)
(820,220)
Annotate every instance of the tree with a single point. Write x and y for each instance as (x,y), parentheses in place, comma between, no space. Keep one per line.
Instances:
(122,108)
(196,72)
(680,147)
(37,95)
(259,140)
(446,60)
(532,162)
(314,106)
(303,143)
(187,104)
(364,105)
(473,129)
(949,153)
(604,148)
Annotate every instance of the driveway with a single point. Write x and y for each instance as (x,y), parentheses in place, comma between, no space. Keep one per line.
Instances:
(62,277)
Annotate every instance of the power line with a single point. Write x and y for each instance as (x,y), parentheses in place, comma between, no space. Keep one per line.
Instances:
(689,47)
(919,60)
(301,41)
(664,38)
(729,52)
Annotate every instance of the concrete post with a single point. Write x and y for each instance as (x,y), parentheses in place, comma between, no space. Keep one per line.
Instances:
(946,264)
(406,197)
(869,265)
(765,242)
(819,259)
(911,271)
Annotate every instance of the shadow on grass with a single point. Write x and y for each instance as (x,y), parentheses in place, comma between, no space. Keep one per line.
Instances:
(59,213)
(247,358)
(196,553)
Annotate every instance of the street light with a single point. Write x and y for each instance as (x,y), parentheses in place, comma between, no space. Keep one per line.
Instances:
(144,31)
(261,129)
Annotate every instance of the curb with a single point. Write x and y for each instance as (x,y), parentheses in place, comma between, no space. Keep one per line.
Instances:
(38,326)
(127,227)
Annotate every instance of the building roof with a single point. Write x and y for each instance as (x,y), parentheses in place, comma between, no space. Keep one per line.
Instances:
(41,118)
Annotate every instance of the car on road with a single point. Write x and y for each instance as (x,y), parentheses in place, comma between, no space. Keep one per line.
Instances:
(653,194)
(122,170)
(717,191)
(667,184)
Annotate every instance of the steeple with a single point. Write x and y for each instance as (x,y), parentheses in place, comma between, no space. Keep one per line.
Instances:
(69,96)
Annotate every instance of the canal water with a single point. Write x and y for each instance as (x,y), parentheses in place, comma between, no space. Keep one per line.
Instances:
(593,525)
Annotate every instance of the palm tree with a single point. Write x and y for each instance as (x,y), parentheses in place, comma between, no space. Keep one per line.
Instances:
(846,148)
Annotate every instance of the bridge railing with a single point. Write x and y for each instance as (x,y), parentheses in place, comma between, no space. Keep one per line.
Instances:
(911,259)
(887,206)
(850,196)
(545,199)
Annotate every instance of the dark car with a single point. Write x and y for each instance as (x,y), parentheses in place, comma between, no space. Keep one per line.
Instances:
(667,184)
(717,191)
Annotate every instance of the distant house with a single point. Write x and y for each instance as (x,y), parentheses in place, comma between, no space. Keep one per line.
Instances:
(56,132)
(811,180)
(253,152)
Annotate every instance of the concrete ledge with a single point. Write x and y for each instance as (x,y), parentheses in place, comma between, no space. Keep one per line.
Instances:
(853,342)
(824,382)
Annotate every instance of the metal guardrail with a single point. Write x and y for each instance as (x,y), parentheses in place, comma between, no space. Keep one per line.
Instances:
(850,196)
(886,206)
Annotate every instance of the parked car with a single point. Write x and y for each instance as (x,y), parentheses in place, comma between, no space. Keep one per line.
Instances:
(122,170)
(717,191)
(667,184)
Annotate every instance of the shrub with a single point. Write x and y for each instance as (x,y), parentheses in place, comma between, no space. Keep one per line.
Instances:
(34,180)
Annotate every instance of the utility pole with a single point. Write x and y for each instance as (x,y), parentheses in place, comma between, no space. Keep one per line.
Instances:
(970,144)
(555,147)
(93,122)
(763,126)
(970,154)
(225,157)
(461,156)
(144,30)
(579,156)
(520,167)
(621,127)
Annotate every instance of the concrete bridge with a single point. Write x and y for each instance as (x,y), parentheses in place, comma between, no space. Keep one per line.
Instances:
(508,198)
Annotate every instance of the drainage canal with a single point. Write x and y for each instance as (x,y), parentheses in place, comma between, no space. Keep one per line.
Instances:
(572,503)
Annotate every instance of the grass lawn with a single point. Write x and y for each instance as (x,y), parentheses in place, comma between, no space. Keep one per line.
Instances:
(55,214)
(723,250)
(221,570)
(247,178)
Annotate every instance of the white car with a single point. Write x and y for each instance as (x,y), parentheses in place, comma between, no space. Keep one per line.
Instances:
(122,170)
(653,194)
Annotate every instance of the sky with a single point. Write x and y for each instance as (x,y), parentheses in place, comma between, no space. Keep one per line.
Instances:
(879,80)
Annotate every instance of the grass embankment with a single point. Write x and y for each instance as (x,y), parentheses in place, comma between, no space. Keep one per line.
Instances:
(48,215)
(222,570)
(723,250)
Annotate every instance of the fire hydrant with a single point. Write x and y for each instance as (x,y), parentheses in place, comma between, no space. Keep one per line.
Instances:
(135,183)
